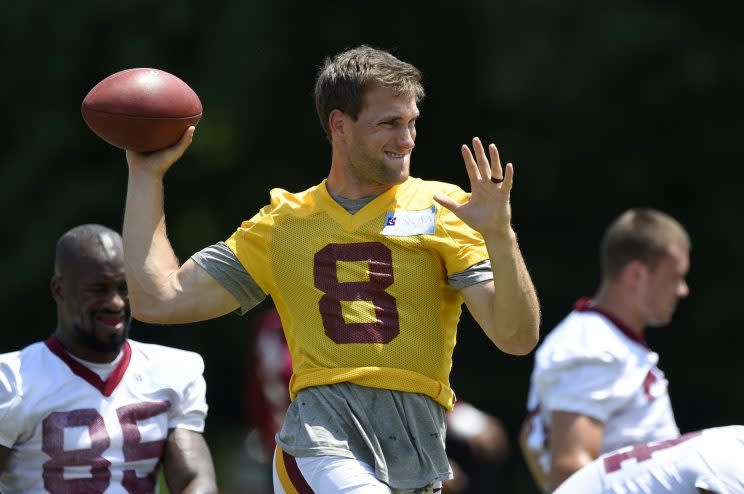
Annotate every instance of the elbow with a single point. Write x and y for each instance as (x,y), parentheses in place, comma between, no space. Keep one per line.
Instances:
(519,349)
(561,470)
(523,334)
(565,464)
(149,311)
(523,350)
(145,316)
(520,342)
(529,344)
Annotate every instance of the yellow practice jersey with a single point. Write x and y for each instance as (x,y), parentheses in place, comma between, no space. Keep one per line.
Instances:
(364,298)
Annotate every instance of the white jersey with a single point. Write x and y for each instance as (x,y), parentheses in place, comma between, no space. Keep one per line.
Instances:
(712,459)
(69,431)
(592,365)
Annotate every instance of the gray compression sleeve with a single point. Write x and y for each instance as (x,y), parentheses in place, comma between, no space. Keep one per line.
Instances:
(477,273)
(220,262)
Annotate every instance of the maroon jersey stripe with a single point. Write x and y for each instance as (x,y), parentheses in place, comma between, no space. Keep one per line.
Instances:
(584,304)
(298,481)
(106,388)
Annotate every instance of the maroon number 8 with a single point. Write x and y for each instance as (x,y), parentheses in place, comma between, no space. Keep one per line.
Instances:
(380,260)
(52,443)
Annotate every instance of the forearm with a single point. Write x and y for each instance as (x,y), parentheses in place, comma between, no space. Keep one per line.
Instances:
(150,261)
(515,307)
(187,465)
(198,485)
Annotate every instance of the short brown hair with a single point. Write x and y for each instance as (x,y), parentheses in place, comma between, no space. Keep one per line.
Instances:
(639,234)
(343,80)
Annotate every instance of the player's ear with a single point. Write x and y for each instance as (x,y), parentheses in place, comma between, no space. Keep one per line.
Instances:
(636,271)
(56,287)
(337,122)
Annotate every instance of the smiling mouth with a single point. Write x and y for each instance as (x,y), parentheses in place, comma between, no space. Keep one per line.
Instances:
(110,320)
(395,155)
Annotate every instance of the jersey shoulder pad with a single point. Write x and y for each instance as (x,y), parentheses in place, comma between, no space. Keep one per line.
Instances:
(25,367)
(20,371)
(167,366)
(11,380)
(283,200)
(583,336)
(283,203)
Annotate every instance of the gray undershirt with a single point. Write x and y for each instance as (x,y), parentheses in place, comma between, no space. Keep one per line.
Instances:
(400,434)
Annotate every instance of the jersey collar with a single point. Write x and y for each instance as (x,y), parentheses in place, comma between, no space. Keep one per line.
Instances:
(584,304)
(105,387)
(368,212)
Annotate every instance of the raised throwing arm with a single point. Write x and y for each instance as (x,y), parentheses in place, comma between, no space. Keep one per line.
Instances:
(161,290)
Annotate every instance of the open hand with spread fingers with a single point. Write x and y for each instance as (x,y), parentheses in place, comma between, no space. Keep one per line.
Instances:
(488,211)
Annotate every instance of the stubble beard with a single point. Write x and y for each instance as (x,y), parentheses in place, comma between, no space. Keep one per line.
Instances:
(380,172)
(90,340)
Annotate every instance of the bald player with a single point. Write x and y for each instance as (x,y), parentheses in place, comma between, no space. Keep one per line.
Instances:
(89,410)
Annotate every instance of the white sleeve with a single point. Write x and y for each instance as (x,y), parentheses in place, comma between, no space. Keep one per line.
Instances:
(191,410)
(11,414)
(710,484)
(588,385)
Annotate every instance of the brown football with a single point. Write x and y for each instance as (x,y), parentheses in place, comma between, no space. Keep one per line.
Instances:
(141,109)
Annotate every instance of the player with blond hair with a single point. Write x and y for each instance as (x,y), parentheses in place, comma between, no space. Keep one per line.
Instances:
(596,386)
(368,271)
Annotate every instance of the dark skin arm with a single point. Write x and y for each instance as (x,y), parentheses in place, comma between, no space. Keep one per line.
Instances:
(4,455)
(187,464)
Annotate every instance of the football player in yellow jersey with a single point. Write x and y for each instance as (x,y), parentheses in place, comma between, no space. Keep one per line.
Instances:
(368,270)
